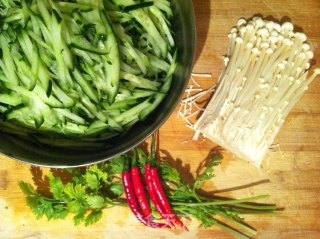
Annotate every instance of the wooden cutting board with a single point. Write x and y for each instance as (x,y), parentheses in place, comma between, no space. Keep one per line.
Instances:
(290,172)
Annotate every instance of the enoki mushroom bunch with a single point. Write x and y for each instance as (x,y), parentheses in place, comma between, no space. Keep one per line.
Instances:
(266,73)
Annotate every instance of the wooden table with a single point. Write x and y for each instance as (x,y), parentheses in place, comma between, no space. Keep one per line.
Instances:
(292,169)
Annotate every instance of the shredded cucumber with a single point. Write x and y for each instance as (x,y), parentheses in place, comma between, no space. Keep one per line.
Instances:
(81,68)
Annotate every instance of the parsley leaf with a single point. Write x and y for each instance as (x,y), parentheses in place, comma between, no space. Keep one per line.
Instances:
(74,191)
(92,180)
(41,205)
(115,166)
(183,193)
(207,171)
(117,188)
(93,217)
(95,201)
(98,171)
(56,187)
(76,205)
(89,190)
(26,188)
(79,217)
(60,211)
(170,174)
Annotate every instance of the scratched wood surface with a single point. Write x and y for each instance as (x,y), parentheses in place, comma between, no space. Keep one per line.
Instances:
(290,172)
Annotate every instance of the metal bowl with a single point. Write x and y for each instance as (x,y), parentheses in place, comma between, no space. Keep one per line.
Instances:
(26,151)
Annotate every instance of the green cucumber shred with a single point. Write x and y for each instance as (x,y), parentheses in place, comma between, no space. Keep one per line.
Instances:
(82,69)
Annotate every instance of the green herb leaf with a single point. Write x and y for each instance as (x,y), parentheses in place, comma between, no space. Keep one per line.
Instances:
(170,174)
(46,208)
(96,169)
(183,193)
(208,171)
(79,217)
(60,211)
(26,188)
(92,180)
(56,187)
(95,201)
(75,206)
(74,191)
(117,189)
(36,206)
(116,165)
(93,217)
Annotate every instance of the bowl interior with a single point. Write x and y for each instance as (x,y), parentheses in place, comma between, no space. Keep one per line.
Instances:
(26,151)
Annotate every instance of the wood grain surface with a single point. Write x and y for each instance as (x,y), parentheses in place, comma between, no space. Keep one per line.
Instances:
(290,172)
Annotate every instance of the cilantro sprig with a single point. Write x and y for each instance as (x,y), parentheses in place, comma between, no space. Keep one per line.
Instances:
(93,189)
(89,192)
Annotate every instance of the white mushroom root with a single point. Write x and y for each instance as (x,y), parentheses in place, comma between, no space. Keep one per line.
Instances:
(266,73)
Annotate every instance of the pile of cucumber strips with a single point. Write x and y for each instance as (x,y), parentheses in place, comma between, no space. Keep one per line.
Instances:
(82,68)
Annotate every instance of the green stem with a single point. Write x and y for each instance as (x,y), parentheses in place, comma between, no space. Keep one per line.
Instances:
(224,226)
(238,224)
(152,157)
(49,199)
(126,165)
(258,207)
(134,159)
(233,231)
(196,196)
(220,202)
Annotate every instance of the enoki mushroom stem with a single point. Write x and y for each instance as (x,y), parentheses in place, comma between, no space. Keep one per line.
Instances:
(265,75)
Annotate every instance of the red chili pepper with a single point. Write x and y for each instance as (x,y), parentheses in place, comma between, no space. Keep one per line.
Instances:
(163,199)
(158,189)
(132,201)
(153,195)
(139,188)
